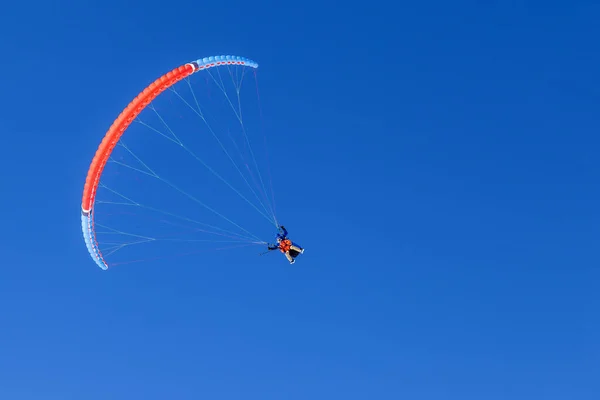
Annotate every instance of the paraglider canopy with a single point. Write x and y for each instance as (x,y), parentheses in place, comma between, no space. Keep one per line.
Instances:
(178,172)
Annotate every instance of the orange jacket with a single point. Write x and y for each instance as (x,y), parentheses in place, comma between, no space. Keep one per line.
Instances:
(285,245)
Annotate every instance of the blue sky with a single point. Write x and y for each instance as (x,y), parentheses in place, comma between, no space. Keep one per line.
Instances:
(445,185)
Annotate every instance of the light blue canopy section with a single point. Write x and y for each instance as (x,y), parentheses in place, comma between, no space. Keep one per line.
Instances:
(90,240)
(220,60)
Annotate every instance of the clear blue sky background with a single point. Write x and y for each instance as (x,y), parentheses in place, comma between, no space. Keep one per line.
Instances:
(448,202)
